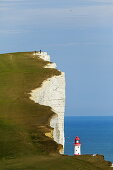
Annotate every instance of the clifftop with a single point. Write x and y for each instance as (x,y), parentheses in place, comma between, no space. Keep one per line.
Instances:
(42,55)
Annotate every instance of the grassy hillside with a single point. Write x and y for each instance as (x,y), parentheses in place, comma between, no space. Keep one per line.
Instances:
(20,118)
(23,144)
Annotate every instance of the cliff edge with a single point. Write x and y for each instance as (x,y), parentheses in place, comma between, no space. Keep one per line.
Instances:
(52,93)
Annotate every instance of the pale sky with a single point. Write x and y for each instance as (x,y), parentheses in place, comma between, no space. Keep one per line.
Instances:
(78,34)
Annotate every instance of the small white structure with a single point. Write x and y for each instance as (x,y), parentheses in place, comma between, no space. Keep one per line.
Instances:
(77,146)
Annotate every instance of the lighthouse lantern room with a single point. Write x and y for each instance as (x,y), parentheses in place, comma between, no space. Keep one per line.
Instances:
(77,146)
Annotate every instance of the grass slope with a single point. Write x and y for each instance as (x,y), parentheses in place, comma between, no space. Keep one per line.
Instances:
(20,118)
(55,162)
(23,144)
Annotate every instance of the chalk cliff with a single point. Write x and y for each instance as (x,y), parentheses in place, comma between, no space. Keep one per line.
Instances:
(52,93)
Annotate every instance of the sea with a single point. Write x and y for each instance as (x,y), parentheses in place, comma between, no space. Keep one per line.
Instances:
(95,132)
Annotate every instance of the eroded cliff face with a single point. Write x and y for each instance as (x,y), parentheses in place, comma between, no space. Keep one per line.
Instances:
(52,93)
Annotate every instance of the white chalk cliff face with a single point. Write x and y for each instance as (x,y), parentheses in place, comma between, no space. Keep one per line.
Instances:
(52,93)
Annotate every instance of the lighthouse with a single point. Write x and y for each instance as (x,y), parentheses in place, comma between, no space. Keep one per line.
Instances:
(77,146)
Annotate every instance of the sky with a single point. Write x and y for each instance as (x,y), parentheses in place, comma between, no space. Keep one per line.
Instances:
(78,34)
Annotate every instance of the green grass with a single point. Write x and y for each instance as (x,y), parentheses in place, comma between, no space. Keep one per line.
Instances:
(23,145)
(55,162)
(20,118)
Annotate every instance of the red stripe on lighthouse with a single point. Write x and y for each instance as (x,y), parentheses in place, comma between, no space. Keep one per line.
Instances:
(77,144)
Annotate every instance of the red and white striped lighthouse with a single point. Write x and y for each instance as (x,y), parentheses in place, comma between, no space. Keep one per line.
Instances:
(77,146)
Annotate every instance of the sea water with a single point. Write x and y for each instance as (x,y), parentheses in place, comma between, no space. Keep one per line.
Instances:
(96,134)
